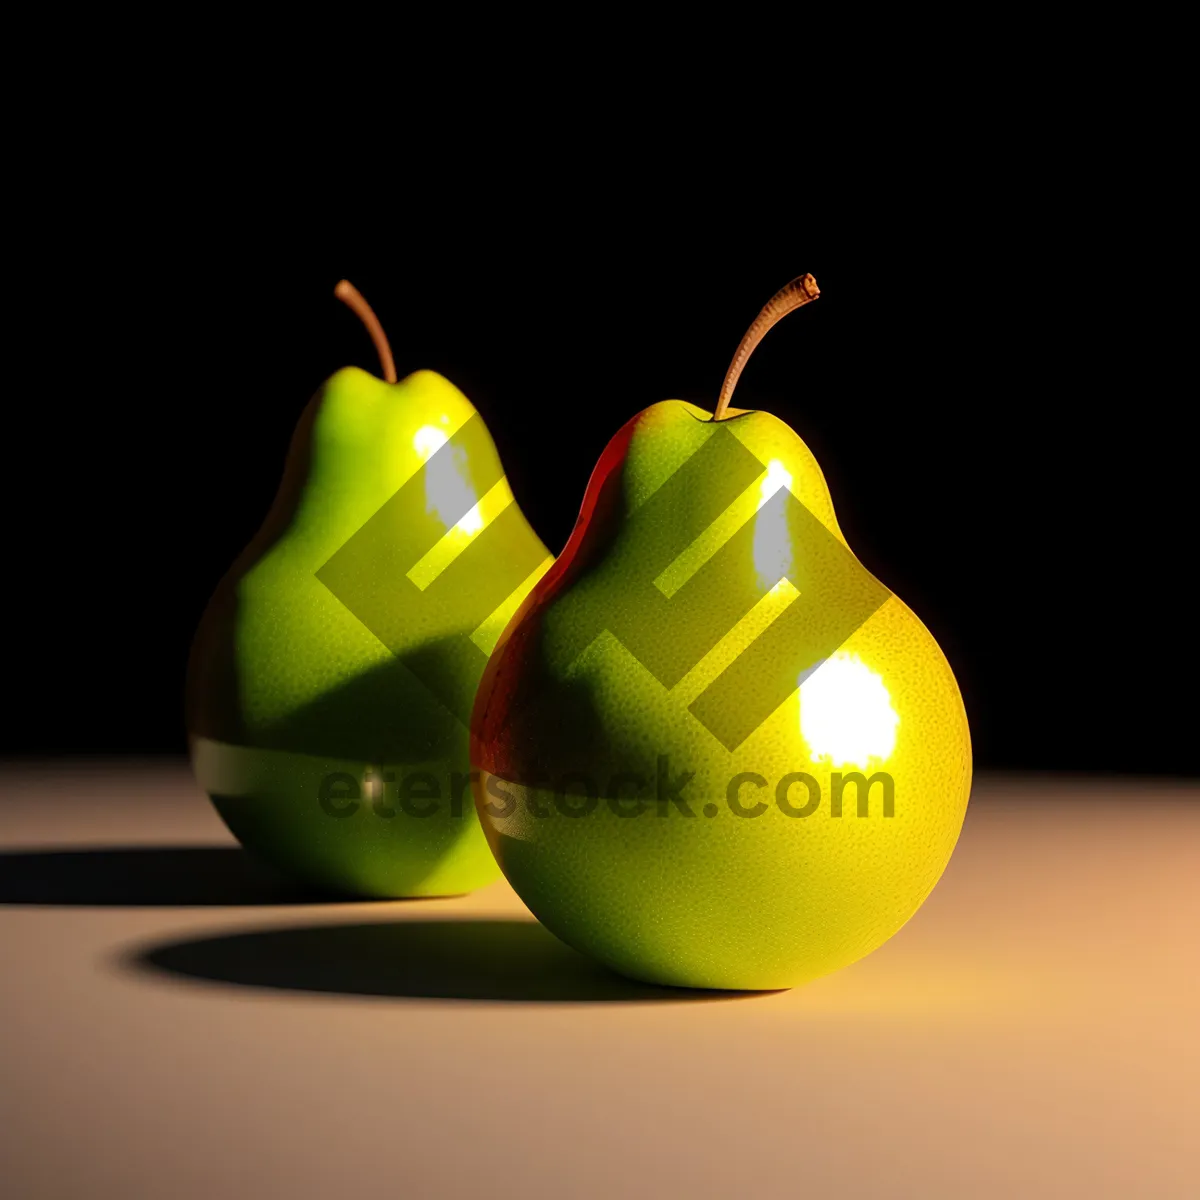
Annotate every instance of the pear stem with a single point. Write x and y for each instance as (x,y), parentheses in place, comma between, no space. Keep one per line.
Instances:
(354,299)
(789,298)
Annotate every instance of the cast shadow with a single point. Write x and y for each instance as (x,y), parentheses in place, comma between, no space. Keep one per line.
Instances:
(476,959)
(142,876)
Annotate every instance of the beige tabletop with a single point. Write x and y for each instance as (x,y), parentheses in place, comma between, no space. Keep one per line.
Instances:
(174,1024)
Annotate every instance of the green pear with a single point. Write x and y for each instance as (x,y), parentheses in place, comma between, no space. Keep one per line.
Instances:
(332,676)
(714,750)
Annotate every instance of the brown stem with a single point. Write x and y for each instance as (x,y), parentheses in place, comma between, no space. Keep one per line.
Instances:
(350,295)
(789,298)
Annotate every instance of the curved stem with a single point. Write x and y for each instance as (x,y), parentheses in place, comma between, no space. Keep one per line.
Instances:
(351,296)
(789,298)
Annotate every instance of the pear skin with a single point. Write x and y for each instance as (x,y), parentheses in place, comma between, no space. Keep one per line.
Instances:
(714,751)
(328,694)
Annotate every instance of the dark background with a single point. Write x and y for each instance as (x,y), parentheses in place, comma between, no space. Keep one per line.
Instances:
(982,381)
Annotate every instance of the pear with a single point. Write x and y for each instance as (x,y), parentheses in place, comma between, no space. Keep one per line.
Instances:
(332,676)
(714,750)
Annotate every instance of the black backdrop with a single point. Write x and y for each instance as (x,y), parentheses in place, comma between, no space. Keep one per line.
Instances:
(979,382)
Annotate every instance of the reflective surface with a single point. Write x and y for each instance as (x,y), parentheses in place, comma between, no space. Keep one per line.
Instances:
(1032,1033)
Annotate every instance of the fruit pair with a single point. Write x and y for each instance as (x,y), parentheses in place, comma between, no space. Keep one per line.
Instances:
(708,748)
